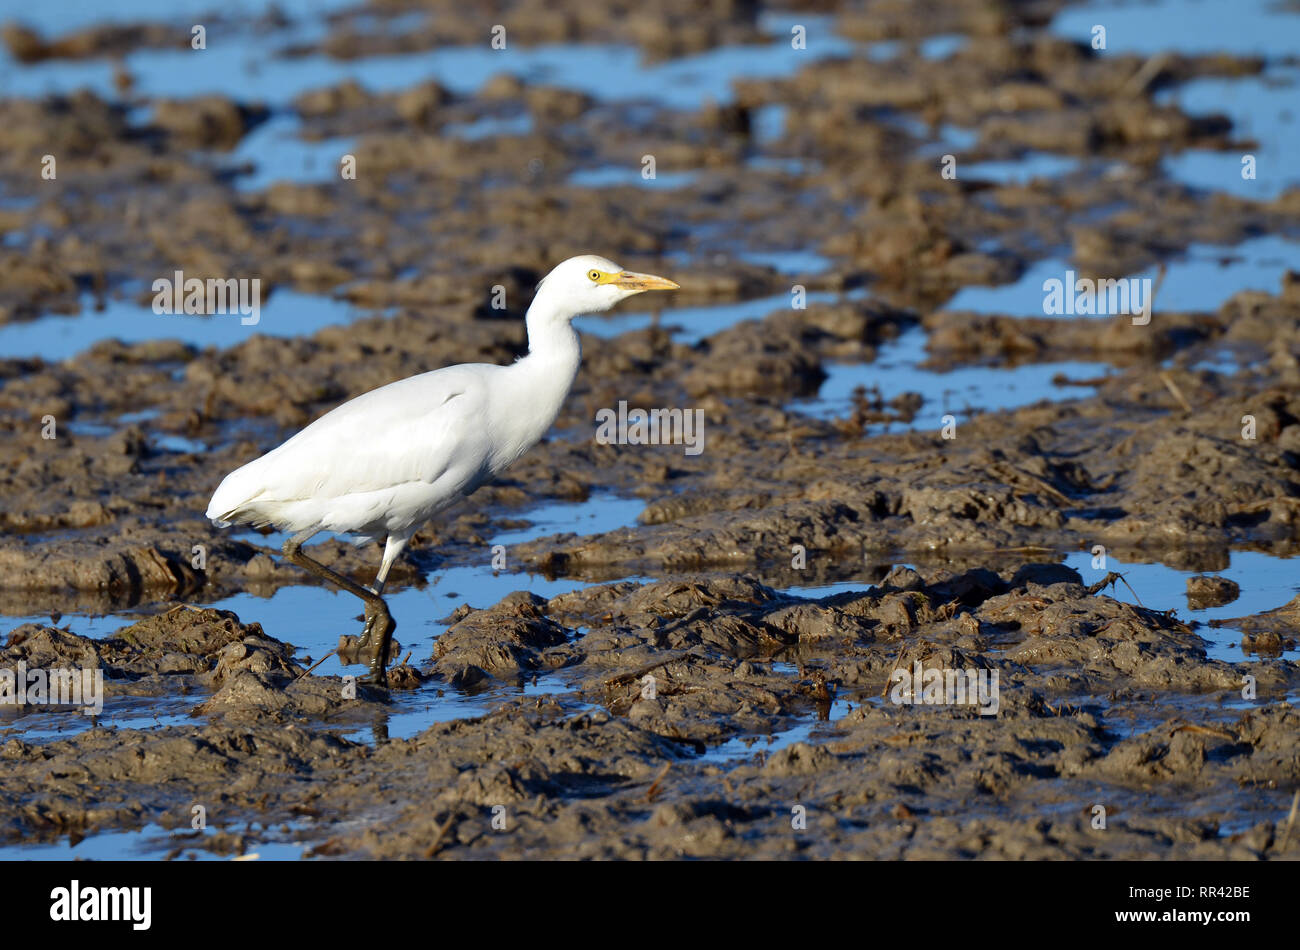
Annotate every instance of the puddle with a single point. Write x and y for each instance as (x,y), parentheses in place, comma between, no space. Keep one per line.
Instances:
(1263,110)
(489,127)
(1261,107)
(1201,280)
(252,70)
(1190,27)
(415,711)
(79,14)
(85,625)
(287,312)
(767,123)
(284,313)
(692,324)
(119,712)
(789,262)
(159,441)
(814,730)
(1021,171)
(313,617)
(276,153)
(838,587)
(940,46)
(610,176)
(149,844)
(781,166)
(962,391)
(1266,581)
(596,515)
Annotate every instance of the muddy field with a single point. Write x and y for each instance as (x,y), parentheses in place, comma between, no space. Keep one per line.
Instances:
(635,651)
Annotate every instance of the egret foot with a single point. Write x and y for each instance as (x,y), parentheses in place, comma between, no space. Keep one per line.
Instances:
(367,631)
(378,637)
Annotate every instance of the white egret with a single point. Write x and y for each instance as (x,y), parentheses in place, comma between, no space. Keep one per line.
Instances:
(382,464)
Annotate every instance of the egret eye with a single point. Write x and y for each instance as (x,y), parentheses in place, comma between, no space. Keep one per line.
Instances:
(595,276)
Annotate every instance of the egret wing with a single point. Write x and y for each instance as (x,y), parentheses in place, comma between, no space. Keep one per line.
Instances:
(415,429)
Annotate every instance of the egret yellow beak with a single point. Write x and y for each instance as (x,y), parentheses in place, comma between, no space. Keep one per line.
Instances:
(630,280)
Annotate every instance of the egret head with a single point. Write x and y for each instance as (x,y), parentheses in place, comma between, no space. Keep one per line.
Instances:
(592,284)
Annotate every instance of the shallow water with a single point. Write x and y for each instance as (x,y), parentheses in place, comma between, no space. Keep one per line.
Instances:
(275,152)
(962,391)
(1267,582)
(79,14)
(1200,280)
(790,262)
(147,843)
(692,324)
(813,728)
(312,618)
(1022,170)
(611,176)
(251,70)
(283,312)
(1261,108)
(1256,27)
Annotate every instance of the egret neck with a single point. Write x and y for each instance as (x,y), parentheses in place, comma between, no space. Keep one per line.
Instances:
(541,380)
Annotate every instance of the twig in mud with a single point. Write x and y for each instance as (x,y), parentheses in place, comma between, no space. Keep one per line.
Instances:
(1290,822)
(948,610)
(910,738)
(641,671)
(1132,591)
(1178,393)
(1146,74)
(1207,731)
(316,664)
(1160,279)
(653,791)
(885,689)
(1031,601)
(430,851)
(1266,503)
(1110,579)
(194,607)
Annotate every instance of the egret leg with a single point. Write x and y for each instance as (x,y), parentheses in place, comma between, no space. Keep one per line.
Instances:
(378,619)
(380,579)
(393,548)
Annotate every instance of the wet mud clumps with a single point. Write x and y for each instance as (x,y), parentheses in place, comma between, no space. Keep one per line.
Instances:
(192,652)
(662,676)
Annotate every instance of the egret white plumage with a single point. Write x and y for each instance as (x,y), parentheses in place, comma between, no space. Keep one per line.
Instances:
(382,464)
